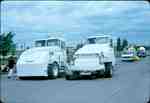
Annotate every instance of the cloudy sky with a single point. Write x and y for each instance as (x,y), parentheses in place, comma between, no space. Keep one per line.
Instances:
(75,21)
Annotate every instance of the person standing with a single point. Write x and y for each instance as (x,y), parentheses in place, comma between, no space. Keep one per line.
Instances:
(12,67)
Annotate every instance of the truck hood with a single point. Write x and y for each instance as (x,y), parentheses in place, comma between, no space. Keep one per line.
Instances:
(94,48)
(52,48)
(36,55)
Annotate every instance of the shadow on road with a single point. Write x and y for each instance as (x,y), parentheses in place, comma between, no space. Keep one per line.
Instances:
(45,78)
(33,78)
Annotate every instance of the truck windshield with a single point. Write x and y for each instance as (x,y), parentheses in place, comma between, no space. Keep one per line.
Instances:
(99,40)
(40,43)
(53,42)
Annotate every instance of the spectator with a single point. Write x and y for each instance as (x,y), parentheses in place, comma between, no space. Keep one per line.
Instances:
(12,67)
(4,68)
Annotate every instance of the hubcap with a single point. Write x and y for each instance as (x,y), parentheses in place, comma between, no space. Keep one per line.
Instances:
(55,71)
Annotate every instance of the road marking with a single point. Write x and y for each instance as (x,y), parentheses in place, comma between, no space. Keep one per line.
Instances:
(113,94)
(115,91)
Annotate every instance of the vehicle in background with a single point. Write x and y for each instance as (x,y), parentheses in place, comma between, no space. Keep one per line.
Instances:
(95,58)
(47,58)
(129,55)
(141,52)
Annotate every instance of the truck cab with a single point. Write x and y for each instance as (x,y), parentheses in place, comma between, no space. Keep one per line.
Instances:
(47,58)
(95,58)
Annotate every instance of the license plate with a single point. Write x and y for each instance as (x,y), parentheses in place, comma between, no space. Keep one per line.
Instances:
(85,73)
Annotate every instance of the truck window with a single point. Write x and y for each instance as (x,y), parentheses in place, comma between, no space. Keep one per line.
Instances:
(40,43)
(99,40)
(53,42)
(102,40)
(91,40)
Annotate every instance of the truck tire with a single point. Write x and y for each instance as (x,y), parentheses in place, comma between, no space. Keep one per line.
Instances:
(108,69)
(21,78)
(53,70)
(100,74)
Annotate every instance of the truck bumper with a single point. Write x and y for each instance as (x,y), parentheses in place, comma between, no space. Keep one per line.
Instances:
(82,71)
(28,70)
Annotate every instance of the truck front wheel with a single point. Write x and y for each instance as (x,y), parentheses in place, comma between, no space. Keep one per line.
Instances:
(108,69)
(100,74)
(53,70)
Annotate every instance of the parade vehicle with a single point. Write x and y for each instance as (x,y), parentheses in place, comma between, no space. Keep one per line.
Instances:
(141,52)
(96,58)
(129,55)
(47,58)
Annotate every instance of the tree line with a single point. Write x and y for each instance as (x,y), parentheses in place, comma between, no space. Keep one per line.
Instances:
(121,44)
(7,46)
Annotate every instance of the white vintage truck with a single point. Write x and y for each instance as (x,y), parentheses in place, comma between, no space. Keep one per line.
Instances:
(47,58)
(95,58)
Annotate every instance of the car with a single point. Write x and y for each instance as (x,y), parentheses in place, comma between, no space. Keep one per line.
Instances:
(95,58)
(129,55)
(47,58)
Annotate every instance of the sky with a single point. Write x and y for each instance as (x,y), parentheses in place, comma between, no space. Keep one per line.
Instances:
(76,20)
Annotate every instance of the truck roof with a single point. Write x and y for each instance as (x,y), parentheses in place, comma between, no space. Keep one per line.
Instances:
(97,36)
(62,39)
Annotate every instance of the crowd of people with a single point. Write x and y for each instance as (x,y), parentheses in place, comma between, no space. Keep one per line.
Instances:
(10,67)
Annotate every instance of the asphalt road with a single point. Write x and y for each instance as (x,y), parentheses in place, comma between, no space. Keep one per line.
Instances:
(130,84)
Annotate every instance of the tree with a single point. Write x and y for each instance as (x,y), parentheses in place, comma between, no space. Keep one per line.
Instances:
(118,44)
(124,43)
(6,44)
